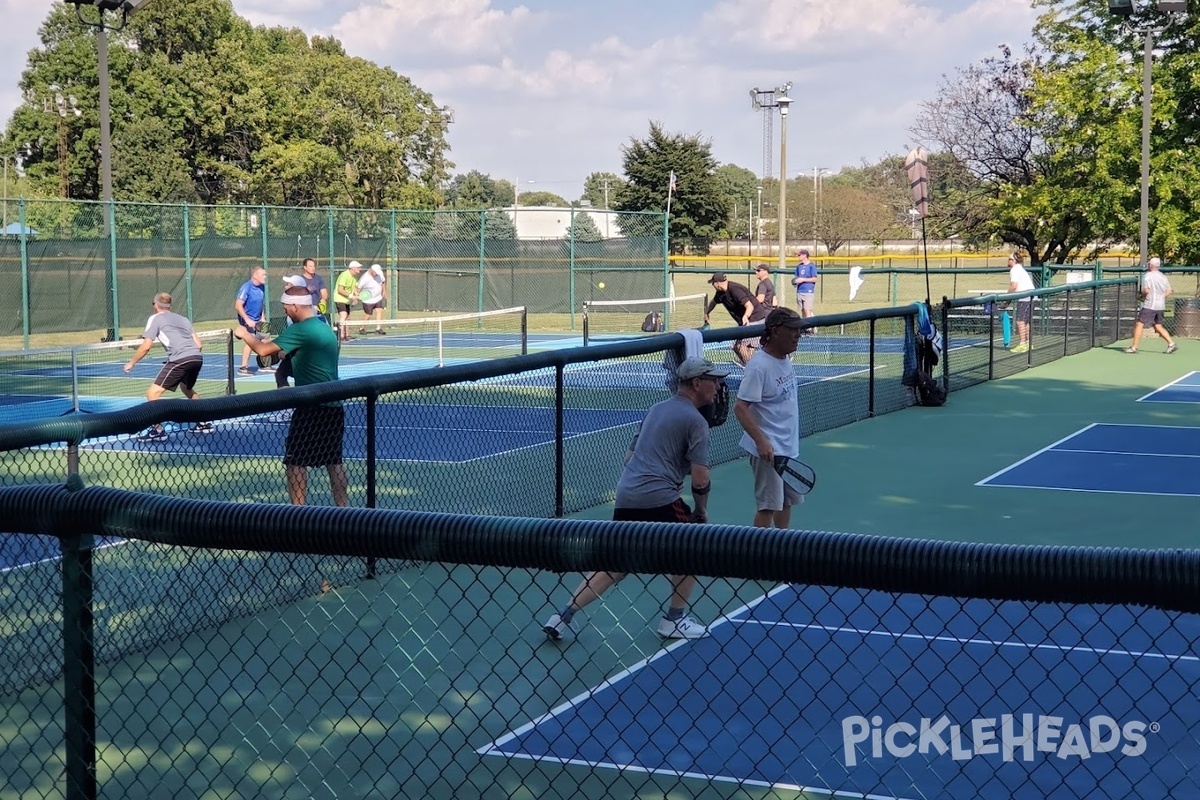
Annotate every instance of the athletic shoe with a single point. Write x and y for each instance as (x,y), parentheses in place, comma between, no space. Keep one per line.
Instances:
(282,416)
(1130,349)
(555,627)
(1172,347)
(204,427)
(266,370)
(682,628)
(243,370)
(381,331)
(1020,348)
(153,435)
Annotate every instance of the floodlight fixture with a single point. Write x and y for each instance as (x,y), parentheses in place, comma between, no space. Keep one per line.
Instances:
(1121,8)
(1173,6)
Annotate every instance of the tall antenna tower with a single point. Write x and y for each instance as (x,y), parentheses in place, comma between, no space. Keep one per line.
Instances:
(764,100)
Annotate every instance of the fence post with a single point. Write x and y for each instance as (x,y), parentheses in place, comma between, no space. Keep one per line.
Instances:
(571,269)
(24,274)
(393,265)
(79,660)
(114,333)
(332,262)
(666,254)
(482,260)
(187,259)
(266,261)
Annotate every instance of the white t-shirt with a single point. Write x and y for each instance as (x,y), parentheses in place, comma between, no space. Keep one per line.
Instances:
(370,287)
(1157,288)
(769,383)
(1020,276)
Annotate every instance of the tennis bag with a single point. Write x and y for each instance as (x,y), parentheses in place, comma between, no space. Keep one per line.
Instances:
(930,391)
(716,412)
(653,322)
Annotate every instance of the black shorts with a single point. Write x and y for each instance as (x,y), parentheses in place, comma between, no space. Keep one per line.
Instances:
(174,374)
(1150,317)
(678,511)
(370,307)
(314,439)
(1025,310)
(343,308)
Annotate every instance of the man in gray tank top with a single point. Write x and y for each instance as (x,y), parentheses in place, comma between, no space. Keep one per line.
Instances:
(671,445)
(184,360)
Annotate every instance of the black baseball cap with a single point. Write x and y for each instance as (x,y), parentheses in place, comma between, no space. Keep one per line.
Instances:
(718,277)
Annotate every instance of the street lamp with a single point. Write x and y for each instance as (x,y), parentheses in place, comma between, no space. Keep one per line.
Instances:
(758,218)
(123,9)
(817,173)
(64,106)
(783,103)
(1125,9)
(913,216)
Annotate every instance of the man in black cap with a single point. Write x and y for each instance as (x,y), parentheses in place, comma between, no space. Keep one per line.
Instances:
(742,306)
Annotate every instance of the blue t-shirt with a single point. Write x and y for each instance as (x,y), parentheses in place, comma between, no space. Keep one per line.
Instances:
(808,270)
(315,284)
(253,298)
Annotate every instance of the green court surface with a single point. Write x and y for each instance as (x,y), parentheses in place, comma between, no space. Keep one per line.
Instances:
(389,686)
(913,473)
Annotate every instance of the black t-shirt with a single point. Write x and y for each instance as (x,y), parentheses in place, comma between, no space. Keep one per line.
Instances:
(767,289)
(734,299)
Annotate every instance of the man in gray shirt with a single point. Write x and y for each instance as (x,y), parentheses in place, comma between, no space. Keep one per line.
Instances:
(1155,291)
(184,360)
(671,444)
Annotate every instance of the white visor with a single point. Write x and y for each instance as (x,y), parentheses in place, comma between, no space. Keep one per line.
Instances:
(296,300)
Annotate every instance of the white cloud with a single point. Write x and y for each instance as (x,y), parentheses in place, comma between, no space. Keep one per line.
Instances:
(816,26)
(401,28)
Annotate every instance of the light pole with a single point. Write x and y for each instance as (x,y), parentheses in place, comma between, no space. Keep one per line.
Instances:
(783,103)
(817,173)
(64,106)
(913,215)
(1125,8)
(758,218)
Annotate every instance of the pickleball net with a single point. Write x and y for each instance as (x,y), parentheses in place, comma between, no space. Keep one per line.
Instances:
(607,320)
(456,337)
(61,380)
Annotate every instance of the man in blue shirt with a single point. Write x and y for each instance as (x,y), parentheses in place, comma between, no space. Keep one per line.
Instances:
(249,305)
(805,282)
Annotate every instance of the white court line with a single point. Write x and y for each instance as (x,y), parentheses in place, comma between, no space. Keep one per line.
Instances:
(1126,453)
(1098,651)
(1144,398)
(1034,455)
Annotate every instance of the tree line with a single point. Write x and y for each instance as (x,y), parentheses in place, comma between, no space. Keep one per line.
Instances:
(1036,150)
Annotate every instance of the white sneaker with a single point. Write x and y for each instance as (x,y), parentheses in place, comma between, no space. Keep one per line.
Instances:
(682,628)
(555,627)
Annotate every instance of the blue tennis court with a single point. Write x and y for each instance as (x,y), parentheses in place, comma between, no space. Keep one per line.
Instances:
(453,434)
(830,691)
(1184,390)
(1125,459)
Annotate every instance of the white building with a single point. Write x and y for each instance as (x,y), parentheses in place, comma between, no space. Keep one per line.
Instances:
(553,222)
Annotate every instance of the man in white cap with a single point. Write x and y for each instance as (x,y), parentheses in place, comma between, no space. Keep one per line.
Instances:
(314,438)
(345,292)
(1155,291)
(370,292)
(670,445)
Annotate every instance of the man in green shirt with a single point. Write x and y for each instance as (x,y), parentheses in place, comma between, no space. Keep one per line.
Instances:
(345,292)
(314,438)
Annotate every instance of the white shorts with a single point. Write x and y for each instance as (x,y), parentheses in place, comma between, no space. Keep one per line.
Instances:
(770,492)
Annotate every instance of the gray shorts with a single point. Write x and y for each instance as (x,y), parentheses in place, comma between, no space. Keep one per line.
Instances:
(806,300)
(1150,317)
(770,492)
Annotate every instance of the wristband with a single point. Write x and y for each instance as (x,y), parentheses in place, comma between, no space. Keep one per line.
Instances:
(702,490)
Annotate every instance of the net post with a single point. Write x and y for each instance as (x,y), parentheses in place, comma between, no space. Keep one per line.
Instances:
(585,323)
(230,385)
(524,331)
(441,358)
(74,382)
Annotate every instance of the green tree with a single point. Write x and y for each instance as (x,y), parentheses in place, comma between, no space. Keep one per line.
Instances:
(543,198)
(740,187)
(601,188)
(477,190)
(848,213)
(583,228)
(249,114)
(698,208)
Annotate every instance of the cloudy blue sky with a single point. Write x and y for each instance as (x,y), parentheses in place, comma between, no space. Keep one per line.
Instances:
(547,91)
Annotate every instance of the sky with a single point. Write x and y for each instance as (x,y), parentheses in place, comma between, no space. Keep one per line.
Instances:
(545,92)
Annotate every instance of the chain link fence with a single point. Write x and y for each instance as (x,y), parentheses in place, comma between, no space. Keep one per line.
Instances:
(219,642)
